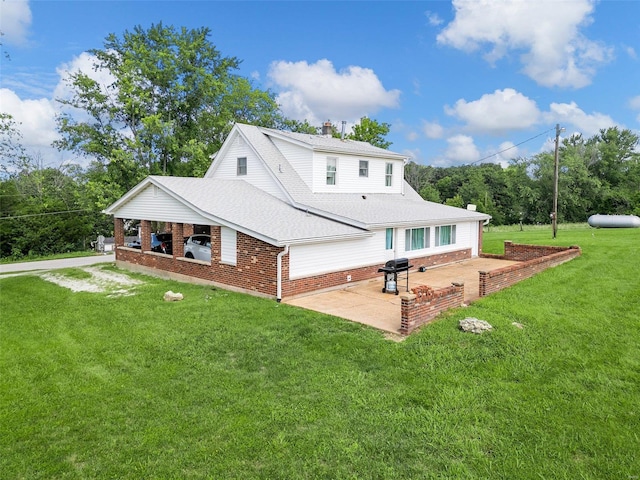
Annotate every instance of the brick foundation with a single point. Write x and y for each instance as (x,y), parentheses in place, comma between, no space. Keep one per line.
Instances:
(256,266)
(334,279)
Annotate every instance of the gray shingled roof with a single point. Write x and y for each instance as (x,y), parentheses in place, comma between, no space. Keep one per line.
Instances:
(330,144)
(238,204)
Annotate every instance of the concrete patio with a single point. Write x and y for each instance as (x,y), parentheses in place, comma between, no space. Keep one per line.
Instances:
(365,303)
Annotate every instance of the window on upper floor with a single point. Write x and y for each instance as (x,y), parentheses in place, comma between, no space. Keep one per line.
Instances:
(416,238)
(242,166)
(445,235)
(364,168)
(388,177)
(332,170)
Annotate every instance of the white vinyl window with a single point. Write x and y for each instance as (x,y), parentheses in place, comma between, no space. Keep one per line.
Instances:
(388,177)
(389,239)
(445,235)
(332,170)
(416,238)
(242,166)
(363,170)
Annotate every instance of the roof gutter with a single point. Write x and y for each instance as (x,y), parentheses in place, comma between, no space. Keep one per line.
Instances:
(279,273)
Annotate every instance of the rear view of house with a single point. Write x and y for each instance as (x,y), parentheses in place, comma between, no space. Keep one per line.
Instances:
(291,213)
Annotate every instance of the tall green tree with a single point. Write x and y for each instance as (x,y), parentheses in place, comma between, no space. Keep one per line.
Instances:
(371,131)
(172,101)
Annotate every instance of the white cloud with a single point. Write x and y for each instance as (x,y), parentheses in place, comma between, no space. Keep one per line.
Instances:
(497,112)
(15,20)
(433,18)
(462,149)
(432,130)
(555,52)
(506,151)
(82,63)
(631,52)
(317,92)
(36,117)
(634,102)
(571,114)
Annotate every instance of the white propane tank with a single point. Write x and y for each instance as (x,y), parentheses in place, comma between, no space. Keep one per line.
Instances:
(614,221)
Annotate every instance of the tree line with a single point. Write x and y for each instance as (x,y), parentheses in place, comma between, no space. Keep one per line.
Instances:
(171,100)
(600,174)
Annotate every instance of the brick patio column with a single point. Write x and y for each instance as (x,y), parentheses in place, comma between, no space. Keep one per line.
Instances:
(178,239)
(407,320)
(145,233)
(118,232)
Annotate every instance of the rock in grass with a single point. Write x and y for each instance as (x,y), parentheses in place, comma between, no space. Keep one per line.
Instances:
(172,297)
(474,325)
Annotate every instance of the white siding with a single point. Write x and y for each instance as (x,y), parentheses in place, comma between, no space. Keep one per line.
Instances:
(464,239)
(319,258)
(153,204)
(228,246)
(349,179)
(300,158)
(257,174)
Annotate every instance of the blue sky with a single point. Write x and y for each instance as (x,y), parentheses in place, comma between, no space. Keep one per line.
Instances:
(458,81)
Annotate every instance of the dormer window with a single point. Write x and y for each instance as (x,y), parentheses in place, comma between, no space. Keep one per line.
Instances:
(388,177)
(364,168)
(242,166)
(332,170)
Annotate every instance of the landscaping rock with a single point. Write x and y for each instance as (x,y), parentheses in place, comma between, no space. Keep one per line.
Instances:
(518,325)
(172,297)
(474,325)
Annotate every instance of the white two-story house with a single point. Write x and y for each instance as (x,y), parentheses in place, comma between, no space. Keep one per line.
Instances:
(290,213)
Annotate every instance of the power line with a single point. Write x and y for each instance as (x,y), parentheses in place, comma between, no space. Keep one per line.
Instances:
(41,214)
(512,146)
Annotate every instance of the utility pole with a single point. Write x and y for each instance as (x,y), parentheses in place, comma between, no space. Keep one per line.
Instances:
(554,214)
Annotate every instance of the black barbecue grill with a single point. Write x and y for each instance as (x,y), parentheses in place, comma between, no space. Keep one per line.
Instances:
(391,270)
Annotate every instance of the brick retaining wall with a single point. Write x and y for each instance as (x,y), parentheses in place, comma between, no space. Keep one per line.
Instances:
(533,259)
(425,304)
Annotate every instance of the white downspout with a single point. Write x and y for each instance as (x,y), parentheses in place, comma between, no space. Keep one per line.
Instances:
(279,273)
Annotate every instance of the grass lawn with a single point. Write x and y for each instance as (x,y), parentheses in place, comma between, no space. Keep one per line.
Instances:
(224,385)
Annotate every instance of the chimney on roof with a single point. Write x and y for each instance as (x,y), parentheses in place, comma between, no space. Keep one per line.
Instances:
(327,128)
(344,123)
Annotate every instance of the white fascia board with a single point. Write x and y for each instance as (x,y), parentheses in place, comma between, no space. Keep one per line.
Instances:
(333,238)
(432,222)
(338,151)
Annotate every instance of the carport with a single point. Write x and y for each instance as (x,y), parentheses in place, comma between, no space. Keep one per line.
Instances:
(364,302)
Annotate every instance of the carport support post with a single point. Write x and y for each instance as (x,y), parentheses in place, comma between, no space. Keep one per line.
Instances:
(145,234)
(118,232)
(178,239)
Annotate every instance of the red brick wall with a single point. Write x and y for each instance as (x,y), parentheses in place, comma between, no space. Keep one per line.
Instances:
(255,269)
(533,260)
(426,304)
(334,279)
(521,252)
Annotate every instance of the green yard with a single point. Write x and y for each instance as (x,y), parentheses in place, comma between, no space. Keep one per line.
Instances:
(224,385)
